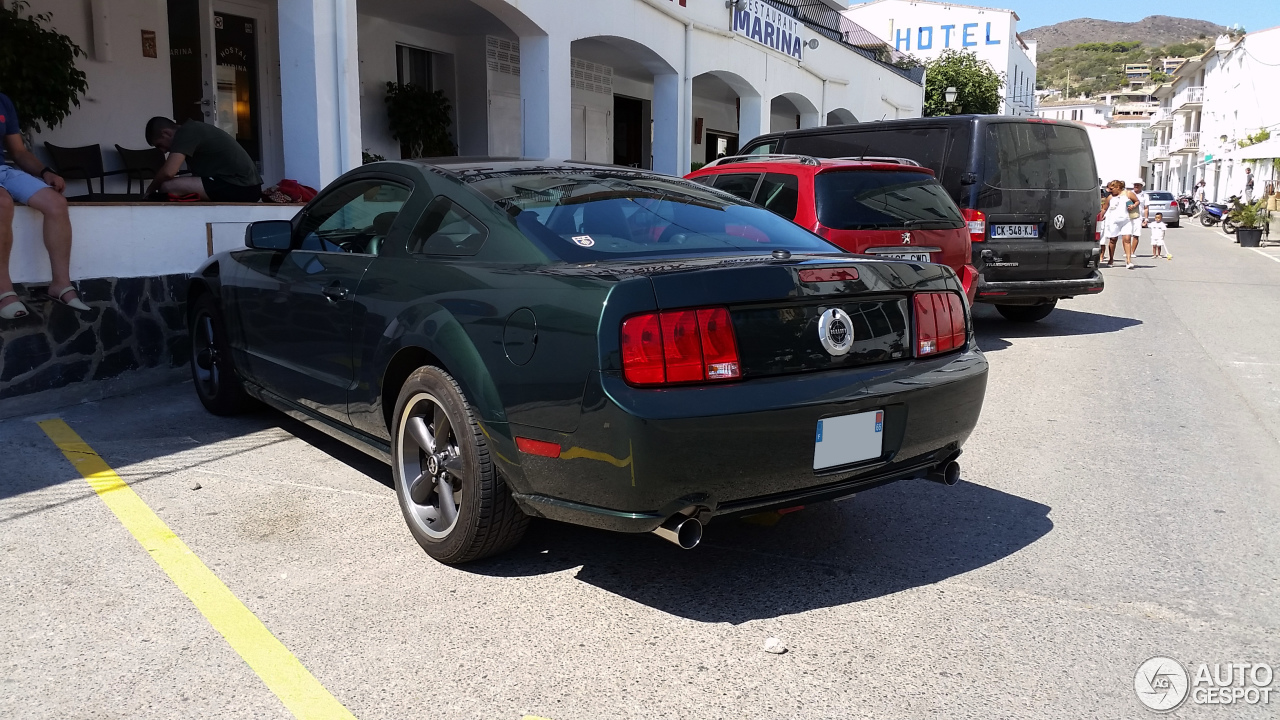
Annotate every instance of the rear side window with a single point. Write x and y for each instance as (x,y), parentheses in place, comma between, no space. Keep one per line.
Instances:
(885,199)
(1037,156)
(447,229)
(743,186)
(1160,196)
(780,193)
(927,146)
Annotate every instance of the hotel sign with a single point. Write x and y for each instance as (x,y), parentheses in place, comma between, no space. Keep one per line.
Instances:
(768,26)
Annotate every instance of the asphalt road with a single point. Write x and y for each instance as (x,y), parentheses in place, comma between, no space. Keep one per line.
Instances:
(1120,501)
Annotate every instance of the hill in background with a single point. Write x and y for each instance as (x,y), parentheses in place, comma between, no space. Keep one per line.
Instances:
(1098,67)
(1153,31)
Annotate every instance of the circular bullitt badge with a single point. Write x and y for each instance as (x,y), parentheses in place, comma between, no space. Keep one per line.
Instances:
(835,331)
(1161,683)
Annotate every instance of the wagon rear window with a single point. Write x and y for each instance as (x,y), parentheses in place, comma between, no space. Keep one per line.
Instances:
(590,215)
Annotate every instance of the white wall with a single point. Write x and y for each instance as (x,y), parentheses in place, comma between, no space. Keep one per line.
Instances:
(1118,153)
(137,240)
(124,92)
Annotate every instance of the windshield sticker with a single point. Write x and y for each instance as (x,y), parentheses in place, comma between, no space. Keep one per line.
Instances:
(584,240)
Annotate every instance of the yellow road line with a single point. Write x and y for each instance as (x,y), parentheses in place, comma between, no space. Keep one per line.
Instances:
(284,675)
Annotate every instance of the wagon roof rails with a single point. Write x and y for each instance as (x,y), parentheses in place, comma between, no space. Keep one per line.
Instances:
(882,159)
(764,157)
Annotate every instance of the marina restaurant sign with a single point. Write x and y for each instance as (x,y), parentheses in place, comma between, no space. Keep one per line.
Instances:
(767,26)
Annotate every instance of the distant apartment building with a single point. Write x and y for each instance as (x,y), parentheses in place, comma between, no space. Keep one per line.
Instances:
(1085,111)
(925,29)
(1137,74)
(1170,65)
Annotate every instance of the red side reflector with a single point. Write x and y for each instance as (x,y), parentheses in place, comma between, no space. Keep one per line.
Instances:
(828,274)
(681,347)
(538,447)
(719,347)
(642,350)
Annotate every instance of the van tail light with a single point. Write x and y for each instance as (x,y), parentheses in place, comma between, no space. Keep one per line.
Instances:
(680,346)
(939,323)
(977,222)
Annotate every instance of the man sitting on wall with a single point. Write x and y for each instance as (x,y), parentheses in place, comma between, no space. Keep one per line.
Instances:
(40,188)
(221,170)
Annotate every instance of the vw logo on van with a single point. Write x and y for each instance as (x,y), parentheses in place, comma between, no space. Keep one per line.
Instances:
(1058,222)
(835,331)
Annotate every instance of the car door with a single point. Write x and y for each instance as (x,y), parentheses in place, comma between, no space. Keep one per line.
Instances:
(298,307)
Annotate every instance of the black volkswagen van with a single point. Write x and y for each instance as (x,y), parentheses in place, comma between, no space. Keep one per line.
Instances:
(1028,188)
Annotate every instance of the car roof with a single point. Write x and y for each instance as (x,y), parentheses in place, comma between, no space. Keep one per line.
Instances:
(484,165)
(955,120)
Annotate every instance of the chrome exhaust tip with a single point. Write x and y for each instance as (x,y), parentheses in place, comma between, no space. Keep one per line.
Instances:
(948,473)
(683,531)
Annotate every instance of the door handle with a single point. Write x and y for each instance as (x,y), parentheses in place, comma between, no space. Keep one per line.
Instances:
(335,292)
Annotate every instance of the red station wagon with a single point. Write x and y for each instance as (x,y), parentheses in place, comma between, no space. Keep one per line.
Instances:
(888,207)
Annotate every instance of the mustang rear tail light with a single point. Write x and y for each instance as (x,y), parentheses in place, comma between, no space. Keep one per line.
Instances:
(977,222)
(679,346)
(940,324)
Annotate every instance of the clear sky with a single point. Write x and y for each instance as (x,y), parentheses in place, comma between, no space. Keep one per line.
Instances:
(1252,14)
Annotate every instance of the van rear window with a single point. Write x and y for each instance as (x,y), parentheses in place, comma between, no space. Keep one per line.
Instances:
(1038,156)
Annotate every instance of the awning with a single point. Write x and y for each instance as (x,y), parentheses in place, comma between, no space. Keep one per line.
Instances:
(1262,151)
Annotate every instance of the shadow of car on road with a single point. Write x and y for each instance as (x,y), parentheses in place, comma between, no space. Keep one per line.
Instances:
(893,538)
(994,332)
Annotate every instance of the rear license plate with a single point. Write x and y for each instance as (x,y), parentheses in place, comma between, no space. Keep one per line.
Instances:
(1015,231)
(848,439)
(916,257)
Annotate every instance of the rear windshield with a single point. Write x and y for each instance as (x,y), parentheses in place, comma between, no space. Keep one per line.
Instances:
(865,200)
(1165,196)
(600,214)
(1038,156)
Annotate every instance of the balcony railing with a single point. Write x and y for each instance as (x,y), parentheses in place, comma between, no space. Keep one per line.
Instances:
(1159,151)
(1185,141)
(1190,96)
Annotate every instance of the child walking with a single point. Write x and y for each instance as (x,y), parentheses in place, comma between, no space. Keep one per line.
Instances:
(1157,238)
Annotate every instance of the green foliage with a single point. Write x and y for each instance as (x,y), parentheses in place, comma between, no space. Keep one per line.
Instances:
(38,68)
(1250,216)
(1260,136)
(977,85)
(419,120)
(1099,67)
(367,157)
(696,166)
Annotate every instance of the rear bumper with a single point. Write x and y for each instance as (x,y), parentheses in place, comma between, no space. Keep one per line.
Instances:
(996,292)
(641,456)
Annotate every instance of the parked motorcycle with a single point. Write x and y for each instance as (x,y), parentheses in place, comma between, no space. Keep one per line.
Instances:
(1187,205)
(1213,213)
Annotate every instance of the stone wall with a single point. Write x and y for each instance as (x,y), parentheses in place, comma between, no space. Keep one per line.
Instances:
(135,323)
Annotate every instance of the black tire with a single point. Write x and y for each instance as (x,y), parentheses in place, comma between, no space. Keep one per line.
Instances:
(1027,313)
(212,368)
(1207,220)
(1229,227)
(485,519)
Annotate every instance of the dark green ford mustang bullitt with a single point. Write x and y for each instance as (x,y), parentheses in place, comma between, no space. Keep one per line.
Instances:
(597,345)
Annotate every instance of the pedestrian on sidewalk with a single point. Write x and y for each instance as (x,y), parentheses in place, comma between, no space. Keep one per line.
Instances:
(221,169)
(1158,247)
(39,188)
(1248,186)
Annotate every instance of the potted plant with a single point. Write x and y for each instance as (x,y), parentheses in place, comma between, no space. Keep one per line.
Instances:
(1250,221)
(420,120)
(38,68)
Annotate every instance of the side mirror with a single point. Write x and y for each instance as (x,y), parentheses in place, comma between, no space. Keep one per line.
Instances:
(269,235)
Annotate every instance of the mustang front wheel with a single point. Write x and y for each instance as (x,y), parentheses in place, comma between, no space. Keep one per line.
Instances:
(212,371)
(456,504)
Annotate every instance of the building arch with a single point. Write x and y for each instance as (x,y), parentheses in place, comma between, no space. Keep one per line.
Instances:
(727,111)
(791,111)
(841,116)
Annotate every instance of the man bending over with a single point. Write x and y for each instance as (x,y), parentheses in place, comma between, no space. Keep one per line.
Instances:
(221,170)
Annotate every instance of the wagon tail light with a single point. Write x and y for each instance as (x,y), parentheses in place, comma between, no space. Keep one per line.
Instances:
(939,323)
(977,222)
(680,346)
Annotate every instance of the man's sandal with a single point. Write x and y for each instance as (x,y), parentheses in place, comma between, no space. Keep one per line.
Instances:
(74,303)
(14,310)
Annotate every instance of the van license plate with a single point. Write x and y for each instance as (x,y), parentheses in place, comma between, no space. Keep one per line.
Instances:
(848,439)
(1015,231)
(916,257)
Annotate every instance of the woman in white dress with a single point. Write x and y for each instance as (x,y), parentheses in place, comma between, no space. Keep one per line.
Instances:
(1117,223)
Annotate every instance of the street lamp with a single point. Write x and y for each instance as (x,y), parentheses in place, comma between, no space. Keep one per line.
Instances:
(950,95)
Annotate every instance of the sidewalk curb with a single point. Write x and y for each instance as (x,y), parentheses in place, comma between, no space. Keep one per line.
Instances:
(78,393)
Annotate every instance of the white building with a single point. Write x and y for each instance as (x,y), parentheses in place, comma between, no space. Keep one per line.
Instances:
(924,29)
(302,83)
(1212,103)
(1085,111)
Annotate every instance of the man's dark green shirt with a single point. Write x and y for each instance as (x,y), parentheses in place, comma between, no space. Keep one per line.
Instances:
(211,152)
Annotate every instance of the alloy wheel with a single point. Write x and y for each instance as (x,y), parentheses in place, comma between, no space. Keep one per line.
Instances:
(431,466)
(204,353)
